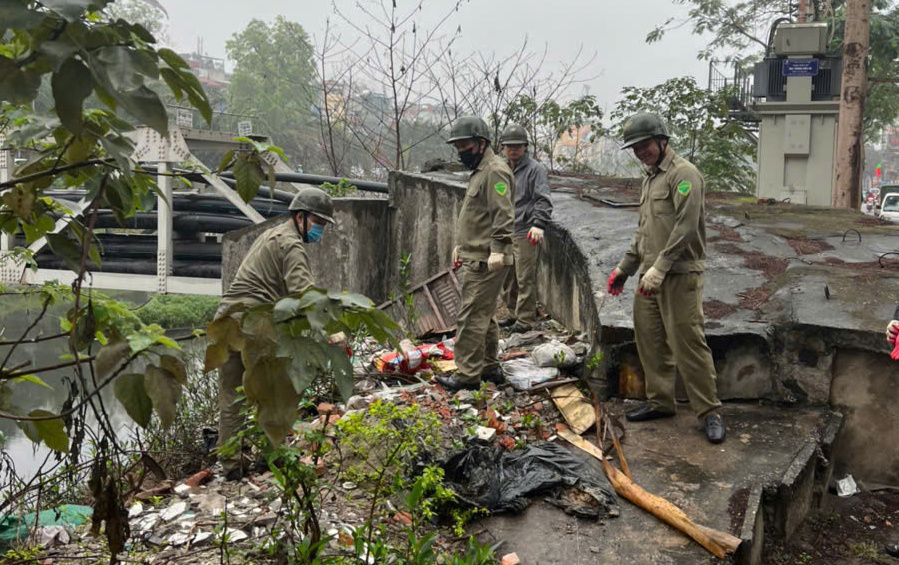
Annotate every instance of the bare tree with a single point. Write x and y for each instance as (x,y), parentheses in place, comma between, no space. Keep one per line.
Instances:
(496,86)
(393,58)
(335,80)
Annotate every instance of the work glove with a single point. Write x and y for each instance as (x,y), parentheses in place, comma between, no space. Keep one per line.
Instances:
(892,331)
(495,261)
(616,282)
(651,282)
(535,236)
(456,261)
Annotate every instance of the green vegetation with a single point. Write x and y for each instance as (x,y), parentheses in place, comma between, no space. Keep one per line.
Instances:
(339,190)
(179,311)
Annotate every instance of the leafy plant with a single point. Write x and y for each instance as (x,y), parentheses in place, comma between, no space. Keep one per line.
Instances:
(179,311)
(700,130)
(548,122)
(341,189)
(406,291)
(291,338)
(595,361)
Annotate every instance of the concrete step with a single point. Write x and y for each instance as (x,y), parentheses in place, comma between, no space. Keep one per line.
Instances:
(763,480)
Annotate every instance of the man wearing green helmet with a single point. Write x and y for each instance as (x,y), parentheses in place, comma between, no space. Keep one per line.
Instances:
(483,251)
(668,251)
(533,209)
(276,266)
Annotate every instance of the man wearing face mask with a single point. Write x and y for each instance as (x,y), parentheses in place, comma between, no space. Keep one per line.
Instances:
(276,266)
(484,252)
(669,252)
(533,209)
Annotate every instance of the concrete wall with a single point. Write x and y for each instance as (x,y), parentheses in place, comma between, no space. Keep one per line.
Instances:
(864,389)
(423,211)
(424,208)
(352,256)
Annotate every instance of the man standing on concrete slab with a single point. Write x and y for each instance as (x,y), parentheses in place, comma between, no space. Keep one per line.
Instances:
(275,267)
(533,210)
(668,251)
(484,252)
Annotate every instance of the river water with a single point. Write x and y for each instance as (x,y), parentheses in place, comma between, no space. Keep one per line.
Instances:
(16,314)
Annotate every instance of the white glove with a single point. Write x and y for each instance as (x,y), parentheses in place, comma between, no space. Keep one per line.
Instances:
(495,261)
(892,331)
(535,236)
(651,282)
(456,262)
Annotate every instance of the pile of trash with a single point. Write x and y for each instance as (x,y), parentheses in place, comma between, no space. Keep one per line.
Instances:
(499,454)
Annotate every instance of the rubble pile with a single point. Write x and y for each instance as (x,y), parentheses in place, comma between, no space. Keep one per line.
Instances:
(172,519)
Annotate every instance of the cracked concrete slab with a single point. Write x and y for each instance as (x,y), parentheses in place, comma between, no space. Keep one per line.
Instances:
(767,447)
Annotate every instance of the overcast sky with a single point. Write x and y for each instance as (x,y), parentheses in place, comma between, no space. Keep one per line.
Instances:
(615,29)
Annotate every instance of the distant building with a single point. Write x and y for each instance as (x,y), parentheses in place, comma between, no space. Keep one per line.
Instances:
(210,71)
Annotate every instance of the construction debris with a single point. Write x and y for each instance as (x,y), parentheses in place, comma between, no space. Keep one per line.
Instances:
(575,408)
(719,544)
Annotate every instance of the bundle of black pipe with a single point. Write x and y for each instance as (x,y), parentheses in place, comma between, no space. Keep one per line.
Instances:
(206,270)
(206,203)
(369,186)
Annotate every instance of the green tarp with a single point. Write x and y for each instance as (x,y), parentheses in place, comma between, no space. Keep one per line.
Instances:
(14,528)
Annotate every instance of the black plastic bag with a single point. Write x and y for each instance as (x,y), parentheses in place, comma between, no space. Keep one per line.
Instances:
(499,481)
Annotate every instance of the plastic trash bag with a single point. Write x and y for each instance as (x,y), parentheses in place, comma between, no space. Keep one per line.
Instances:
(524,373)
(554,354)
(499,481)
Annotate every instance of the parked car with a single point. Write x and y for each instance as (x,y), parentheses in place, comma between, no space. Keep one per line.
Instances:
(889,210)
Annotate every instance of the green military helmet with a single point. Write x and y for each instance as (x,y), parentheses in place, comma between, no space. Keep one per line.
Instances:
(514,134)
(469,127)
(315,201)
(643,126)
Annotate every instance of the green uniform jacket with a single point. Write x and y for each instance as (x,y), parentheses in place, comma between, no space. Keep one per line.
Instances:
(276,266)
(486,220)
(671,233)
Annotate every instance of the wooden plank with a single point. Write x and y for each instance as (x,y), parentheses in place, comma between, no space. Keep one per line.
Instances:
(720,544)
(427,293)
(452,274)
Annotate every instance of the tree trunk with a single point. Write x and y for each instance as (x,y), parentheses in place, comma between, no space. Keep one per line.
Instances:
(850,135)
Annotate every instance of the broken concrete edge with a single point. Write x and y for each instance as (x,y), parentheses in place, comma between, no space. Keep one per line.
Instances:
(753,530)
(801,488)
(779,508)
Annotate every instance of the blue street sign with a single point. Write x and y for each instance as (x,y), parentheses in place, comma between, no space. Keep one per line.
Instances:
(800,68)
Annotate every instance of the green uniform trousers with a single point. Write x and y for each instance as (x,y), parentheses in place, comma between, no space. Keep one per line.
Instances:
(670,340)
(520,287)
(230,419)
(477,335)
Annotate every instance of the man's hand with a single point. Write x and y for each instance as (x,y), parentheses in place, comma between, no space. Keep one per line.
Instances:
(616,282)
(651,282)
(535,236)
(456,261)
(892,331)
(495,261)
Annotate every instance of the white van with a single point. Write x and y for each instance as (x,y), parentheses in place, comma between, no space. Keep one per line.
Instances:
(889,210)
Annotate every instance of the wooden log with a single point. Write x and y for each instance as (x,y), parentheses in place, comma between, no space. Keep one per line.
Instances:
(719,544)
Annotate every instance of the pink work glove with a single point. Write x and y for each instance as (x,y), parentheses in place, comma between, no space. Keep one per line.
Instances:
(616,282)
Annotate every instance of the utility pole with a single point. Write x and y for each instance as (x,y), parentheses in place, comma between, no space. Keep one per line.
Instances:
(850,134)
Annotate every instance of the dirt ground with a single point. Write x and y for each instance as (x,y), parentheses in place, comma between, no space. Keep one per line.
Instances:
(847,531)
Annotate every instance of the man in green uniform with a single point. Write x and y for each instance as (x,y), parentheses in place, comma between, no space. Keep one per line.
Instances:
(533,209)
(668,251)
(276,266)
(484,252)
